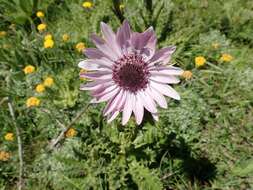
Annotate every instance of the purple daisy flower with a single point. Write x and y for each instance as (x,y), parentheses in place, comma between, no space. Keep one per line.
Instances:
(129,73)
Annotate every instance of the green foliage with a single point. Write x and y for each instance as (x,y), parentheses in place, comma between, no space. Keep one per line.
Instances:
(203,141)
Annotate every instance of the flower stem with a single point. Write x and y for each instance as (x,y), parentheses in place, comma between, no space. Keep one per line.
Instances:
(20,150)
(60,137)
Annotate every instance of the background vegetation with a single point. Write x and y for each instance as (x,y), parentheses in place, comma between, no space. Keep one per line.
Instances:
(205,141)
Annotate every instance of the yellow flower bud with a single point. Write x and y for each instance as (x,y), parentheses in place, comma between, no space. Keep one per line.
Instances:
(48,37)
(40,14)
(49,43)
(80,46)
(226,57)
(4,156)
(71,133)
(9,137)
(32,101)
(29,69)
(49,81)
(87,4)
(200,61)
(187,75)
(41,27)
(40,88)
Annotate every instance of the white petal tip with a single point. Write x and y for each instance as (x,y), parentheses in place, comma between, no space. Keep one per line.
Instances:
(177,97)
(80,64)
(93,101)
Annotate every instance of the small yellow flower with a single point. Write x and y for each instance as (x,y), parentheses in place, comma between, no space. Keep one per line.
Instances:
(32,101)
(9,137)
(49,81)
(3,33)
(215,45)
(71,133)
(40,14)
(41,27)
(121,7)
(4,156)
(187,75)
(80,46)
(200,61)
(40,88)
(49,43)
(226,57)
(87,4)
(65,37)
(48,37)
(29,69)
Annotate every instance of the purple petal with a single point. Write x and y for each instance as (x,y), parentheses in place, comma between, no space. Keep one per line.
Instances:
(140,40)
(95,64)
(165,79)
(127,110)
(102,46)
(98,75)
(155,116)
(138,109)
(110,38)
(93,53)
(147,102)
(95,85)
(103,90)
(163,55)
(108,95)
(122,101)
(165,89)
(114,104)
(123,35)
(112,116)
(159,98)
(166,70)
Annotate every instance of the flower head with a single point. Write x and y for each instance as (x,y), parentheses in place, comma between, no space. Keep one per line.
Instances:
(226,57)
(49,81)
(48,37)
(65,37)
(200,61)
(32,101)
(49,43)
(40,88)
(87,4)
(41,27)
(29,69)
(9,137)
(4,156)
(187,75)
(129,73)
(71,132)
(40,14)
(80,46)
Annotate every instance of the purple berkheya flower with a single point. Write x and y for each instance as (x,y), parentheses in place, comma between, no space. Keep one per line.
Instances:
(129,73)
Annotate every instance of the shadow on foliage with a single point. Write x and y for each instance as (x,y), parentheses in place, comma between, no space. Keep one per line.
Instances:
(197,168)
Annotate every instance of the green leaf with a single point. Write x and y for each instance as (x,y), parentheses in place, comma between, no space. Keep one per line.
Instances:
(145,178)
(245,169)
